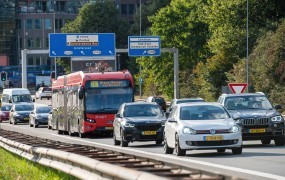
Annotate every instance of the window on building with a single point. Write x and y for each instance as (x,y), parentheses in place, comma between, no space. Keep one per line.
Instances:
(58,23)
(48,24)
(29,24)
(30,43)
(20,43)
(131,9)
(38,23)
(124,9)
(19,23)
(30,61)
(47,42)
(38,42)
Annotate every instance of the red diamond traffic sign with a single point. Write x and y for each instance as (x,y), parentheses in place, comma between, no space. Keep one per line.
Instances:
(237,88)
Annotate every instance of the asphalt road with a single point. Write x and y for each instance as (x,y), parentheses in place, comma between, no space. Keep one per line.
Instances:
(257,161)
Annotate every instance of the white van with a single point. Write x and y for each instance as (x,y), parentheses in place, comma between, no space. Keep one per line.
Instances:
(16,95)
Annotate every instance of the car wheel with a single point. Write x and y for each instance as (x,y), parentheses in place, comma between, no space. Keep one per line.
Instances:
(166,148)
(123,142)
(221,150)
(179,151)
(35,126)
(265,141)
(237,150)
(59,132)
(158,142)
(116,142)
(279,141)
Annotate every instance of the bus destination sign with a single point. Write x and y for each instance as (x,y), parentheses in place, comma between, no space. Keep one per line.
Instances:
(97,84)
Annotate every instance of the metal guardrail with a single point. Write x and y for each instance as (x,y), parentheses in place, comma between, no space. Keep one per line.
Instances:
(73,164)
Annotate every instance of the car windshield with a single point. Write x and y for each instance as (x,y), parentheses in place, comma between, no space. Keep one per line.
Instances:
(247,102)
(23,107)
(6,107)
(142,110)
(159,100)
(43,109)
(22,98)
(203,112)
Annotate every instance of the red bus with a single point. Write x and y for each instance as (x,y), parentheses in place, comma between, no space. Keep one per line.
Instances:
(84,103)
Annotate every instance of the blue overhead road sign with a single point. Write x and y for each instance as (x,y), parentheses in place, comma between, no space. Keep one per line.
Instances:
(85,44)
(144,46)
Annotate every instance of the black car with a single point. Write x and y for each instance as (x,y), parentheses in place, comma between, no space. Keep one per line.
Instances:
(257,117)
(159,100)
(39,116)
(138,121)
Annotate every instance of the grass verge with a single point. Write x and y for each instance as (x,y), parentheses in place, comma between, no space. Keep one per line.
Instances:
(13,166)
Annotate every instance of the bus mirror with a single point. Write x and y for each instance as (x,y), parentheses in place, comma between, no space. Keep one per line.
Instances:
(81,92)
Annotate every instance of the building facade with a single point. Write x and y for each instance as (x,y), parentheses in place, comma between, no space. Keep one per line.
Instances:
(26,24)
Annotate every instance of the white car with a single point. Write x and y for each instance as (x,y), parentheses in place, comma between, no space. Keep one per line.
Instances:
(201,125)
(43,92)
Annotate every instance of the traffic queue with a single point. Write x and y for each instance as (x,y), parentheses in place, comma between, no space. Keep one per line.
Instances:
(187,123)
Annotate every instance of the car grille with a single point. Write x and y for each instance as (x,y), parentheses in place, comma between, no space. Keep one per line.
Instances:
(217,131)
(256,121)
(213,143)
(148,127)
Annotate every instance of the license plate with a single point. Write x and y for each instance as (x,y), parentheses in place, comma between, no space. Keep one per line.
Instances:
(213,138)
(256,130)
(26,119)
(149,132)
(109,128)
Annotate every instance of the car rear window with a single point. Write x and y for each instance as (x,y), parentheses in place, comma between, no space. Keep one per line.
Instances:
(46,89)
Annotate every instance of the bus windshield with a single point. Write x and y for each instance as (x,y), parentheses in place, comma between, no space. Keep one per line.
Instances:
(107,100)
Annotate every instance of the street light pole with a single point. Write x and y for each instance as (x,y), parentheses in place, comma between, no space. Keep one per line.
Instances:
(140,81)
(247,45)
(54,3)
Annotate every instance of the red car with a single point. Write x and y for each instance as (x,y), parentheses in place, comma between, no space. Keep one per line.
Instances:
(5,111)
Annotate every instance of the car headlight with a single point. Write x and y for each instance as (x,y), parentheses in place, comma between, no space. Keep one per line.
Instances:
(234,129)
(91,120)
(276,119)
(188,130)
(129,125)
(16,115)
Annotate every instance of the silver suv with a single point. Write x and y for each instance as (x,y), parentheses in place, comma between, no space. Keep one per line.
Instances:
(257,117)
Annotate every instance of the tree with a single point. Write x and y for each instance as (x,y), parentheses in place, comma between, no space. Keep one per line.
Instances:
(98,17)
(179,26)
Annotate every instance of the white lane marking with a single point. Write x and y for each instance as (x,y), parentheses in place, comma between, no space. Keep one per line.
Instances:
(252,172)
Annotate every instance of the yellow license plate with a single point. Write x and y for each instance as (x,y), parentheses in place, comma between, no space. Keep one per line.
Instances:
(149,132)
(213,138)
(26,118)
(108,128)
(256,130)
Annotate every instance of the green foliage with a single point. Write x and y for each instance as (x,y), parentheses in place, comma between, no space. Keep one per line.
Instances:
(178,26)
(141,18)
(14,167)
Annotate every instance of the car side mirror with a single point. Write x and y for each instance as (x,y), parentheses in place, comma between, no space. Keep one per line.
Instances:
(167,114)
(118,116)
(278,106)
(81,92)
(171,120)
